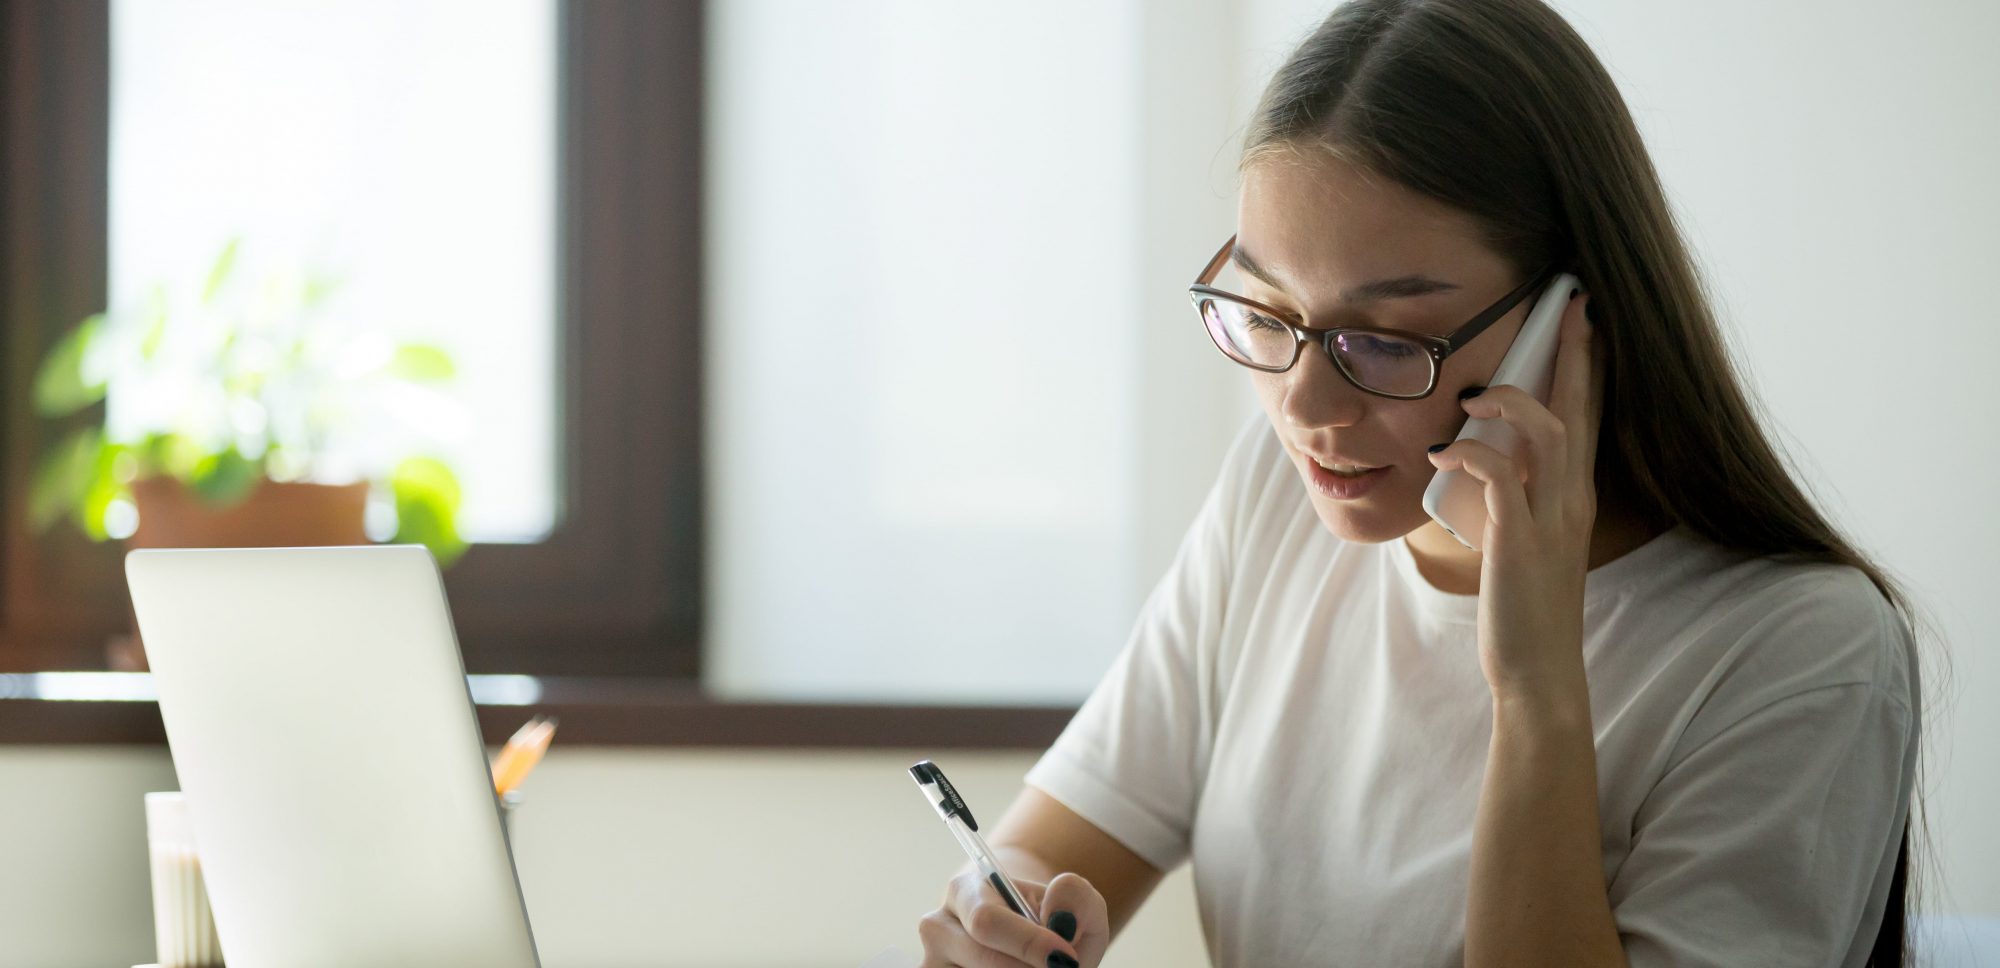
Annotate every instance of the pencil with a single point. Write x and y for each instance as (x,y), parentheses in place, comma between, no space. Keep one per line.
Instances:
(522,753)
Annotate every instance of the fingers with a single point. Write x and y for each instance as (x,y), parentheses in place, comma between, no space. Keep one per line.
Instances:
(1073,904)
(1501,477)
(947,944)
(1541,455)
(1031,891)
(1569,390)
(1586,455)
(1575,396)
(976,929)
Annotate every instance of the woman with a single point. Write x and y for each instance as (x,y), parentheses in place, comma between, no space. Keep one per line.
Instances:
(1668,716)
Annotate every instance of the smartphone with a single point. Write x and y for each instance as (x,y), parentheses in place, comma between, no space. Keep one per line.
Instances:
(1456,500)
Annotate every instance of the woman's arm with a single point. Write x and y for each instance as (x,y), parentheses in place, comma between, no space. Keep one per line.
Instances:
(1537,894)
(1040,838)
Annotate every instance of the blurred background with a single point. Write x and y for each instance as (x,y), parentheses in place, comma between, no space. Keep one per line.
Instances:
(797,389)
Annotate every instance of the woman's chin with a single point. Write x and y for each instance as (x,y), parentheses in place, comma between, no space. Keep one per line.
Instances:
(1366,521)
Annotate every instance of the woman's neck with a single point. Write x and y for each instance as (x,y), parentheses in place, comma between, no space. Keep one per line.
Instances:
(1452,567)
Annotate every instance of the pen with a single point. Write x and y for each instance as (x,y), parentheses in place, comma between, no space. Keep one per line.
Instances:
(944,798)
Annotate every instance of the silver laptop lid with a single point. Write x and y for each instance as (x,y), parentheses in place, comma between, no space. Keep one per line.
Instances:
(317,711)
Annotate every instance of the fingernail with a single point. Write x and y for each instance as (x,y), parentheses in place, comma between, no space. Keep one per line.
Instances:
(1470,392)
(1059,960)
(1063,923)
(1438,447)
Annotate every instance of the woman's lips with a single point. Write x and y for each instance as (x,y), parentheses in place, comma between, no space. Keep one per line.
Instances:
(1342,487)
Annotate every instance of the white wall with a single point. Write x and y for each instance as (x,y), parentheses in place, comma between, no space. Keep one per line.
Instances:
(73,875)
(666,859)
(951,367)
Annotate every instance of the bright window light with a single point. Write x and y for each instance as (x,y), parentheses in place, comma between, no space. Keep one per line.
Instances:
(407,150)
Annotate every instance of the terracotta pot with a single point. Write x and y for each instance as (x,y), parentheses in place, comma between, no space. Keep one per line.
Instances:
(273,516)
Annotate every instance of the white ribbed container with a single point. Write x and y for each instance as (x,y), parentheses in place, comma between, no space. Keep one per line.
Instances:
(183,925)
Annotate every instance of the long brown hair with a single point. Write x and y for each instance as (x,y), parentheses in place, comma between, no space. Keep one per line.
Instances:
(1499,109)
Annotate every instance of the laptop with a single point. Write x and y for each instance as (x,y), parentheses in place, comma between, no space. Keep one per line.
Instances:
(319,719)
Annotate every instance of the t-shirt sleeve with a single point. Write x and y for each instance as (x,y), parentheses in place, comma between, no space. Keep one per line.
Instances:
(1770,837)
(1133,760)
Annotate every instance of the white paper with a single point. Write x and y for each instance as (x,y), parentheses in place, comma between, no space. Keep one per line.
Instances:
(891,957)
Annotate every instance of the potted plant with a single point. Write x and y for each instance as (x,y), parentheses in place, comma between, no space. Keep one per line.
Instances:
(241,414)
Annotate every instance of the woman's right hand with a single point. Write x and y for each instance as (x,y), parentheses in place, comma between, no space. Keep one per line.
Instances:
(976,929)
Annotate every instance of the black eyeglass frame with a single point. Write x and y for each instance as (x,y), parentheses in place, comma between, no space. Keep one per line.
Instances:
(1439,348)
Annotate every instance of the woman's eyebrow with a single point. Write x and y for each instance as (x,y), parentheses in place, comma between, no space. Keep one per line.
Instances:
(1399,287)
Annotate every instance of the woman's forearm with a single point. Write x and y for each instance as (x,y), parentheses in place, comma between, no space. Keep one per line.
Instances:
(1536,894)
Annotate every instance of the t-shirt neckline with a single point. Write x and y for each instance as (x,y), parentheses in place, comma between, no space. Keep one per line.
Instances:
(1601,583)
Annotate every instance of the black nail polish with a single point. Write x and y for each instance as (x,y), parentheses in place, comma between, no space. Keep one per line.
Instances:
(1470,392)
(1438,447)
(1059,960)
(1063,923)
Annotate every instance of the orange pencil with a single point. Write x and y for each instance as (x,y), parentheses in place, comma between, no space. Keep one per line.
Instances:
(511,750)
(523,751)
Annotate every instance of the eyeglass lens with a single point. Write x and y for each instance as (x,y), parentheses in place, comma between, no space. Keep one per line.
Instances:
(1380,362)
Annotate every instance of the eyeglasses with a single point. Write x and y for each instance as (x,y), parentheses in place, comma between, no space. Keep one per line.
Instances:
(1385,362)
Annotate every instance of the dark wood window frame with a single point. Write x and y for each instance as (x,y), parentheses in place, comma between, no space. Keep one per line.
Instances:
(610,604)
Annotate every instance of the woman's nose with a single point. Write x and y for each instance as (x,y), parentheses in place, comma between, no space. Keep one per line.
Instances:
(1317,395)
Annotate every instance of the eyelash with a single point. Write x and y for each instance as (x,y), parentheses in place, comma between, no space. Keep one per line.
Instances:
(1265,322)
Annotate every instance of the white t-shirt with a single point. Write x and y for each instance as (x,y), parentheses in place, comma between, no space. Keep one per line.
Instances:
(1305,719)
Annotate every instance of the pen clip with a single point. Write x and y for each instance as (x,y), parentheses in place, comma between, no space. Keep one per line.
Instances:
(952,805)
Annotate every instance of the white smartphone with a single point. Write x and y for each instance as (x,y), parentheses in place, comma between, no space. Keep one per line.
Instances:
(1455,499)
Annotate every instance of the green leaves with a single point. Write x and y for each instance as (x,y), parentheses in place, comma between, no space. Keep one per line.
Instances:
(219,273)
(104,488)
(79,477)
(251,382)
(421,363)
(427,499)
(63,477)
(62,385)
(224,478)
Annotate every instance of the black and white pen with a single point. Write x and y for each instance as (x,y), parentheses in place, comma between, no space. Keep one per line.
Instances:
(944,798)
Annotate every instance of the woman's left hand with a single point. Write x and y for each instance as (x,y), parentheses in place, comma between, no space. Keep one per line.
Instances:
(1540,509)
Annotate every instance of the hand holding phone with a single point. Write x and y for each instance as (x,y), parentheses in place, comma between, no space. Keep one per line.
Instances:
(1454,498)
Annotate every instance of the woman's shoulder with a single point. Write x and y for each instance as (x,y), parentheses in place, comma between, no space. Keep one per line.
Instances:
(1777,625)
(1785,591)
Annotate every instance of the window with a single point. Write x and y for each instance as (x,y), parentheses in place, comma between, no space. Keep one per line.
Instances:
(408,152)
(960,413)
(923,358)
(614,586)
